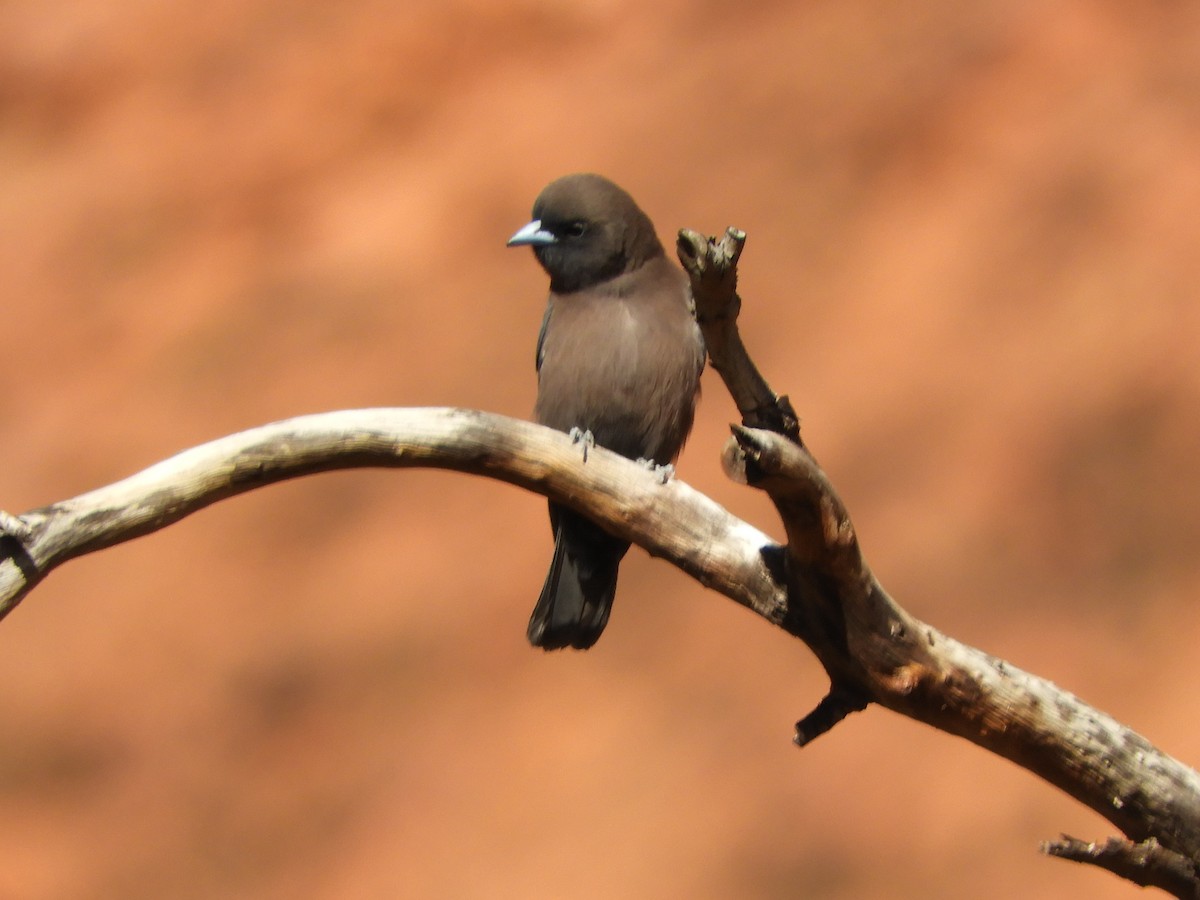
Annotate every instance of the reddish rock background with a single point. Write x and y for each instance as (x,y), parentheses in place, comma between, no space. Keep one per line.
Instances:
(973,264)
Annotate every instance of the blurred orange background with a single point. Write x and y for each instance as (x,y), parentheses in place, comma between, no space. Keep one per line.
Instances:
(972,263)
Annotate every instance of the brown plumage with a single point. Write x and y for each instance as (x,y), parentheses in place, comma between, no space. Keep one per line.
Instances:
(619,356)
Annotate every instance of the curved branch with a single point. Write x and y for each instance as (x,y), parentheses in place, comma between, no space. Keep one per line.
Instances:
(669,520)
(872,647)
(819,588)
(875,651)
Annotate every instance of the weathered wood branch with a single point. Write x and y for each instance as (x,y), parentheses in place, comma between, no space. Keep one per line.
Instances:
(669,520)
(1147,863)
(875,652)
(712,266)
(818,588)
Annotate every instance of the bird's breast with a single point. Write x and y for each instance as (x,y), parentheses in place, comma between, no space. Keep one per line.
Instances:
(625,368)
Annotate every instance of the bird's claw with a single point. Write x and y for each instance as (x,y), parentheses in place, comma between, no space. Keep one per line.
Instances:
(584,437)
(664,473)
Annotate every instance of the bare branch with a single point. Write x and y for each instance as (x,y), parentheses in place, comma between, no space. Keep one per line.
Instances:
(672,521)
(1148,863)
(818,588)
(712,265)
(871,647)
(874,651)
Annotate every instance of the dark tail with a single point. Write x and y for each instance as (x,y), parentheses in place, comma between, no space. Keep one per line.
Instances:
(577,597)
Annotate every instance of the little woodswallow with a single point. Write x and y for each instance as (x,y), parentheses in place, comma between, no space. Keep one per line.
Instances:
(620,356)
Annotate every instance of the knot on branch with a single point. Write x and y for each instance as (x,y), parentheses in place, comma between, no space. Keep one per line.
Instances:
(14,526)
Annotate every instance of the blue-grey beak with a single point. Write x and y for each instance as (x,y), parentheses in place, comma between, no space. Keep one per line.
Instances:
(533,235)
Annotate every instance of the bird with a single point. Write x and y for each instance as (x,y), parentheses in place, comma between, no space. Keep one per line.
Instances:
(619,359)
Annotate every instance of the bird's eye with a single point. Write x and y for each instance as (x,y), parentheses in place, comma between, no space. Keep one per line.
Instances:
(576,229)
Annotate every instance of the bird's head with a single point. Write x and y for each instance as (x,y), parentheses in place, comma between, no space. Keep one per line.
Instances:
(586,230)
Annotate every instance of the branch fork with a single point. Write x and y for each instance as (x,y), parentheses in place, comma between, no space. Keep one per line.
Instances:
(818,587)
(875,652)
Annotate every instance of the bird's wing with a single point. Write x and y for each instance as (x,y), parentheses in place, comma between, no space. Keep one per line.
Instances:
(541,343)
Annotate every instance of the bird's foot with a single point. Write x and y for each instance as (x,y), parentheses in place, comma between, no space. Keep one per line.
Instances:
(14,526)
(586,438)
(664,473)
